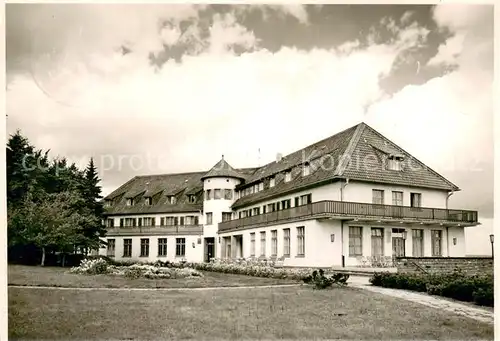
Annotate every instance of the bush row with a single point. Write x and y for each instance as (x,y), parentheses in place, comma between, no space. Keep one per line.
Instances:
(457,285)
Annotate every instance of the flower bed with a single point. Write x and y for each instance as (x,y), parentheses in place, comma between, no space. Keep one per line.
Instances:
(457,285)
(249,267)
(100,266)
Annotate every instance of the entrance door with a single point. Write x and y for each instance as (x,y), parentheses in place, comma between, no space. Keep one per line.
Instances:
(209,248)
(398,247)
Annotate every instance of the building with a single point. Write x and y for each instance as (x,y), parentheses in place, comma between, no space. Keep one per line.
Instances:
(351,199)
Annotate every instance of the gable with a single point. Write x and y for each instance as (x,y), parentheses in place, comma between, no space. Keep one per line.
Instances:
(368,163)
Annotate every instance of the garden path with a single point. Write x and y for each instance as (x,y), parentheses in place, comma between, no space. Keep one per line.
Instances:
(479,314)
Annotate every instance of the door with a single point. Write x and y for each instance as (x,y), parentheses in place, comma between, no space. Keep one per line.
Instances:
(398,247)
(209,249)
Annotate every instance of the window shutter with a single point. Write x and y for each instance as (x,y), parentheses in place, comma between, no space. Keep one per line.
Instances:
(196,221)
(297,203)
(140,222)
(162,221)
(176,221)
(121,222)
(264,209)
(182,220)
(153,222)
(134,222)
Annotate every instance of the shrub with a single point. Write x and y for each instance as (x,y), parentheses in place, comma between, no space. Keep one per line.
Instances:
(320,281)
(456,285)
(89,266)
(133,273)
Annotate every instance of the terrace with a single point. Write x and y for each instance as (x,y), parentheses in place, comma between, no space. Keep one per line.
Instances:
(356,211)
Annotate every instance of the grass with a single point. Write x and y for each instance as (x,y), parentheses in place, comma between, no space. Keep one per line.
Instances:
(54,276)
(267,313)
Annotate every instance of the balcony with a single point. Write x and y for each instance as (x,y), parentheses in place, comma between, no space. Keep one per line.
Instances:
(355,210)
(154,230)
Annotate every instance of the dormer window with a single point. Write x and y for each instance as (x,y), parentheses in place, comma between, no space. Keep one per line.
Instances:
(272,182)
(288,176)
(148,201)
(107,203)
(171,199)
(192,199)
(306,169)
(130,202)
(395,162)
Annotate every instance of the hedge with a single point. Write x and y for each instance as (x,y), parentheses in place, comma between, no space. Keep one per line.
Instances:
(457,285)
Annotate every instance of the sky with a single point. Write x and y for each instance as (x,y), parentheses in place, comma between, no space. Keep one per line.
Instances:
(149,89)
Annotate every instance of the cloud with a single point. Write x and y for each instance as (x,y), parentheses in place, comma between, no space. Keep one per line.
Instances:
(448,119)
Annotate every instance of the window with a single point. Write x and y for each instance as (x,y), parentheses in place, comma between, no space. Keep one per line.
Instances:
(130,222)
(162,247)
(306,170)
(208,194)
(263,243)
(148,221)
(144,247)
(395,163)
(355,241)
(271,207)
(272,182)
(261,186)
(148,201)
(415,200)
(397,198)
(228,194)
(192,199)
(111,248)
(286,204)
(180,247)
(217,194)
(226,216)
(209,218)
(436,243)
(130,202)
(378,196)
(170,221)
(274,243)
(286,242)
(252,244)
(110,222)
(191,220)
(127,248)
(288,176)
(377,241)
(300,241)
(305,199)
(418,243)
(256,211)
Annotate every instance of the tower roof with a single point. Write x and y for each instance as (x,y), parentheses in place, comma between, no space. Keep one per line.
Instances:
(222,169)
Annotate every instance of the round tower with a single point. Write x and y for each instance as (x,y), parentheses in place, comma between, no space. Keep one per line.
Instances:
(218,196)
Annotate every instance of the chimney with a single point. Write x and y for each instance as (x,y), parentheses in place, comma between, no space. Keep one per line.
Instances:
(279,156)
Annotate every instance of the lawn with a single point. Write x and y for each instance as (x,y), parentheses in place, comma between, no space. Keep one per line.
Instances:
(54,276)
(263,313)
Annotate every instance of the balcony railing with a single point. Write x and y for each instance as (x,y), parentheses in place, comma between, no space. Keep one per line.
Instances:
(354,210)
(155,230)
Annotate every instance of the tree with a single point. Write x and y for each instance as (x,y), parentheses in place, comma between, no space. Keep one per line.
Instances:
(91,192)
(54,222)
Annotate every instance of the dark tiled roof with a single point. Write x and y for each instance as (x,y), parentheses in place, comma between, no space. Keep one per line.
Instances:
(223,169)
(160,187)
(356,153)
(323,157)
